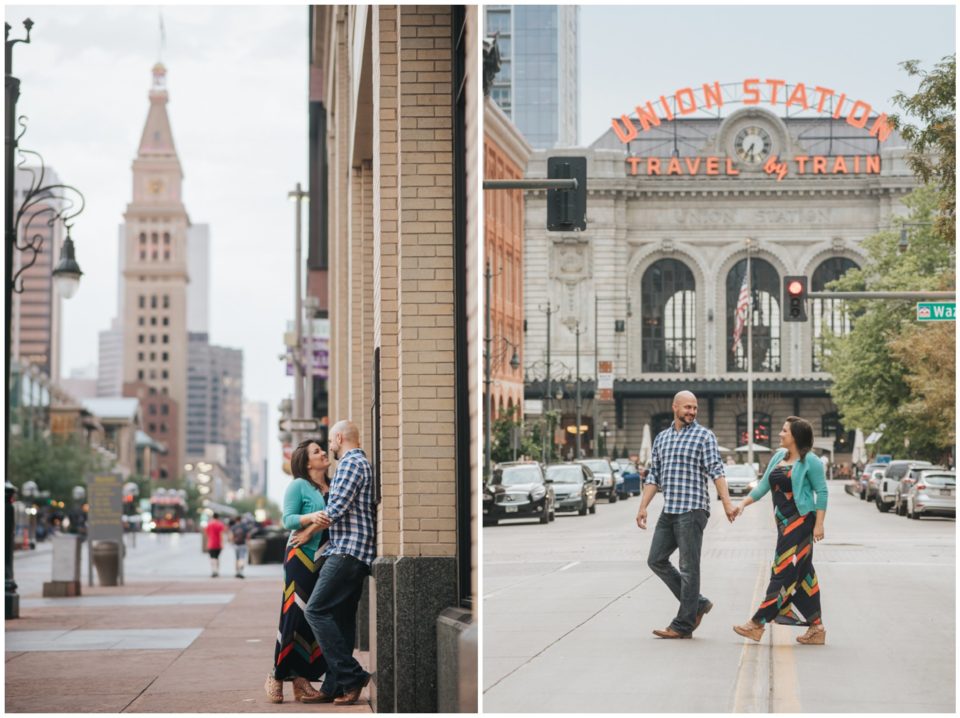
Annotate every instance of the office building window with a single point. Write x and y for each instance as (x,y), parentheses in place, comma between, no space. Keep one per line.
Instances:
(668,303)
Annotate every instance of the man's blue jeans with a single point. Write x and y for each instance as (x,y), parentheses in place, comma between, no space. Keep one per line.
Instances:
(332,615)
(685,532)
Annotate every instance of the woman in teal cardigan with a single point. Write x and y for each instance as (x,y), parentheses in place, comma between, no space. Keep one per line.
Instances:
(297,656)
(795,479)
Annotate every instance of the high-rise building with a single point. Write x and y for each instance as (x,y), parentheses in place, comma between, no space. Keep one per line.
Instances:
(35,312)
(110,361)
(198,291)
(154,305)
(255,438)
(215,403)
(160,419)
(537,86)
(82,383)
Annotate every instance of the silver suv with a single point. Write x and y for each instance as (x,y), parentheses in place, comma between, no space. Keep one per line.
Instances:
(887,483)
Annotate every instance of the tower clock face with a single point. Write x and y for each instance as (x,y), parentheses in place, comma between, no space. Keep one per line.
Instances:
(752,144)
(155,186)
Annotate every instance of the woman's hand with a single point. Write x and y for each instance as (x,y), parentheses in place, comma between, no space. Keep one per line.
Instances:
(817,532)
(301,536)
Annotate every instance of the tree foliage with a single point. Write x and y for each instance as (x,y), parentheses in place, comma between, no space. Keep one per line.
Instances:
(934,137)
(56,464)
(502,433)
(891,370)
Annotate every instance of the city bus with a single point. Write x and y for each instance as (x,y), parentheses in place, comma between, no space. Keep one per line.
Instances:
(168,510)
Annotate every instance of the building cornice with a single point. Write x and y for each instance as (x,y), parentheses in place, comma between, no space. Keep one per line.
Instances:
(498,128)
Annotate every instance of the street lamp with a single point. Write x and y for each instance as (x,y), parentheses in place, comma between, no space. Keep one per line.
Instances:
(605,431)
(298,196)
(574,326)
(904,244)
(53,202)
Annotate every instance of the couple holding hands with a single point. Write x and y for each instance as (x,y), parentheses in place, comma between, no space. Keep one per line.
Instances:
(327,558)
(684,456)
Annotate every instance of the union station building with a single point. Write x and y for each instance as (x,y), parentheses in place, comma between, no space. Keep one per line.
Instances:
(652,284)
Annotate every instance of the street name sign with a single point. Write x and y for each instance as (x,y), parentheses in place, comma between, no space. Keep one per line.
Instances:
(306,425)
(936,311)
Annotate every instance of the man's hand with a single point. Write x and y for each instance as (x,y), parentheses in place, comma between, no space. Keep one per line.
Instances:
(321,519)
(642,517)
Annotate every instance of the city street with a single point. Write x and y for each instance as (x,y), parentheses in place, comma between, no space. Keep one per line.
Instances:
(568,610)
(172,639)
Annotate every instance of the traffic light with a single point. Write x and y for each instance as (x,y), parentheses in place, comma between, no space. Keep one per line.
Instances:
(567,208)
(795,299)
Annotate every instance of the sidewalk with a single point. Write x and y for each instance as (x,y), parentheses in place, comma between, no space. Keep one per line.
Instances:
(201,646)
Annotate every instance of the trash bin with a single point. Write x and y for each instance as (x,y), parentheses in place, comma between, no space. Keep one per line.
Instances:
(256,548)
(106,559)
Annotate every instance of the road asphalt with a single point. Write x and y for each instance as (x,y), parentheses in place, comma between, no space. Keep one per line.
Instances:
(568,610)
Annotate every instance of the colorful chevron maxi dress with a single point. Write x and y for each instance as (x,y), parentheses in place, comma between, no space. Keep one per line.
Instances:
(793,595)
(297,652)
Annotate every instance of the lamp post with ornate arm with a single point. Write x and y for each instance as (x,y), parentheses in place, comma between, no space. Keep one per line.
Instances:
(47,203)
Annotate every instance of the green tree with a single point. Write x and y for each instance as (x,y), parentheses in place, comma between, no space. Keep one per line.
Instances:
(934,138)
(252,503)
(56,464)
(878,379)
(502,432)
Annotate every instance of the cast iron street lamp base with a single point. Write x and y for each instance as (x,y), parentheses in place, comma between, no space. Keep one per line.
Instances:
(12,604)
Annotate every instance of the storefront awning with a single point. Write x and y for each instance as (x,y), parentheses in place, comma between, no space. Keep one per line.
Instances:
(702,387)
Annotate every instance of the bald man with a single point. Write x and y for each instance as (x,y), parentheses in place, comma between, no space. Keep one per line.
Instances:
(685,457)
(345,562)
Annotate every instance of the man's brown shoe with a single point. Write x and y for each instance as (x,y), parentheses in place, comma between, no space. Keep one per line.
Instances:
(352,695)
(670,633)
(701,613)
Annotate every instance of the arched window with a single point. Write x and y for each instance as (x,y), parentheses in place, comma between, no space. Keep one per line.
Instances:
(828,315)
(761,429)
(832,426)
(668,302)
(765,288)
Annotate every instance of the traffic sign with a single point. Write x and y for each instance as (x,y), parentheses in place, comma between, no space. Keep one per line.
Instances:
(300,425)
(936,311)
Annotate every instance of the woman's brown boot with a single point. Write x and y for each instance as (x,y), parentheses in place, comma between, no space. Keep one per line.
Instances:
(815,636)
(274,689)
(306,693)
(750,630)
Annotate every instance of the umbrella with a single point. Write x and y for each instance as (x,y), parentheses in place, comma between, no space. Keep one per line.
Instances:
(724,450)
(859,449)
(646,446)
(757,449)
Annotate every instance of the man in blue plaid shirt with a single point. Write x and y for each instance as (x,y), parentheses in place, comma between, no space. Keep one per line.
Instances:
(332,608)
(685,456)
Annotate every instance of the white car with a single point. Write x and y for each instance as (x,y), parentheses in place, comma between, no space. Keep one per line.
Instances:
(741,478)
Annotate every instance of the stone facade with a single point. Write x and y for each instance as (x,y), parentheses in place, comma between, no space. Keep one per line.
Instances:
(637,217)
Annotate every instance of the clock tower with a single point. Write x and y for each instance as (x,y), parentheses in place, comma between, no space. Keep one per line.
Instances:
(154,296)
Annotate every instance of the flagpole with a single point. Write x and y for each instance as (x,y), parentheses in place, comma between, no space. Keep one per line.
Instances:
(750,431)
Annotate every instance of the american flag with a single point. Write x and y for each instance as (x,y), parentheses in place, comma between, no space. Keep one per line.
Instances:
(743,302)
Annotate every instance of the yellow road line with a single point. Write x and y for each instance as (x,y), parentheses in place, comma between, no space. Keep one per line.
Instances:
(751,692)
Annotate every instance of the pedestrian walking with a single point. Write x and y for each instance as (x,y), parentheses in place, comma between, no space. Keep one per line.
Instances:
(685,457)
(332,609)
(796,482)
(215,530)
(297,657)
(238,535)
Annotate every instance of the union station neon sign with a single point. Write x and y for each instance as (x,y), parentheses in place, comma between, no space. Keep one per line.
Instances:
(754,91)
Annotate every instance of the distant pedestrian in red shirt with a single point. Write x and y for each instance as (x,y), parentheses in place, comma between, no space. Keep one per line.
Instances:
(215,530)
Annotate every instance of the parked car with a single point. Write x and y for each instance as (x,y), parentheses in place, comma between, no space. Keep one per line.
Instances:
(868,483)
(518,490)
(741,478)
(934,494)
(573,487)
(604,475)
(903,486)
(886,492)
(632,481)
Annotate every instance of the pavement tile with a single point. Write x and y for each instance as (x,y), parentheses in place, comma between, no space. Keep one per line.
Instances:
(78,703)
(251,699)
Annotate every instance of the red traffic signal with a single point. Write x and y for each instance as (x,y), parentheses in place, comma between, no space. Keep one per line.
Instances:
(794,299)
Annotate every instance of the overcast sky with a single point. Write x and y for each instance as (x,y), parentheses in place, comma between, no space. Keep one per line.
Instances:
(630,55)
(237,79)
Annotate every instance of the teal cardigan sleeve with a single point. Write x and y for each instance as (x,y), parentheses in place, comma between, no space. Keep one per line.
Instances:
(293,505)
(817,481)
(764,485)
